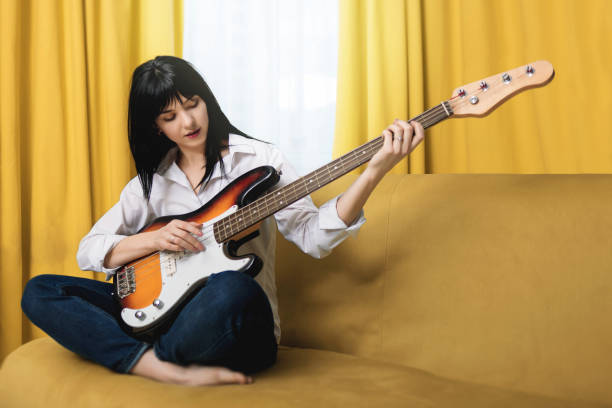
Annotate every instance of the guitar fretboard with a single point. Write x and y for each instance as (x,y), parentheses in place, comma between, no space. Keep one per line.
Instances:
(276,200)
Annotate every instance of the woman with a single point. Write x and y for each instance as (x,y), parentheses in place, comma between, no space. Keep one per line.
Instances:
(186,151)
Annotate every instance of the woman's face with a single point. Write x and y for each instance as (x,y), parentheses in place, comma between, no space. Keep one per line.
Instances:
(185,123)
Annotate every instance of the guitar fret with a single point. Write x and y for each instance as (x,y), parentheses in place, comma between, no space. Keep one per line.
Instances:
(328,172)
(340,160)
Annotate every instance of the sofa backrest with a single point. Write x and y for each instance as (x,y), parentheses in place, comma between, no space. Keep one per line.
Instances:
(503,280)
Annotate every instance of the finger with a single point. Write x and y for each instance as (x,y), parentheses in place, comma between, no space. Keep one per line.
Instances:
(408,134)
(172,244)
(397,131)
(398,136)
(197,225)
(388,140)
(183,225)
(419,134)
(185,230)
(192,227)
(188,241)
(175,248)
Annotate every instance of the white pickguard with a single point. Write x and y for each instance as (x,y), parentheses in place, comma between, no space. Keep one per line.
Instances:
(179,270)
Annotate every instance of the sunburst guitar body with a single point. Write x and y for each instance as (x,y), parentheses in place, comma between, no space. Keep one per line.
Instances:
(151,290)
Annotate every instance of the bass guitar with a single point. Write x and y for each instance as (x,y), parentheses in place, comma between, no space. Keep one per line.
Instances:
(151,290)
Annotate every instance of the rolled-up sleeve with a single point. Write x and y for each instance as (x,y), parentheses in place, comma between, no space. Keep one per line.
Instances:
(125,218)
(316,231)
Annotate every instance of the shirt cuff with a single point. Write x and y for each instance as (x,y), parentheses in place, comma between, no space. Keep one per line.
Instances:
(109,243)
(330,220)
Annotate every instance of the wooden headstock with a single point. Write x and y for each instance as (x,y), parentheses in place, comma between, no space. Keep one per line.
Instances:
(481,97)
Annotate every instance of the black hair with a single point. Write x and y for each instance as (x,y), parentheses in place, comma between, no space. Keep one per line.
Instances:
(155,84)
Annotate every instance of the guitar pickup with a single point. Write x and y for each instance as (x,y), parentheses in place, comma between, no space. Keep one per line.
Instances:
(168,263)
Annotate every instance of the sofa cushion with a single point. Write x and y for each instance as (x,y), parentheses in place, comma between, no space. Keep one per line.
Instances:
(501,280)
(41,373)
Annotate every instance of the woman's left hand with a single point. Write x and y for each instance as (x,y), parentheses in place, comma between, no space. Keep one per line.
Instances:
(400,138)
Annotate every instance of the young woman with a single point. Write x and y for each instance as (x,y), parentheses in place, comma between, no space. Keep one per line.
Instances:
(186,151)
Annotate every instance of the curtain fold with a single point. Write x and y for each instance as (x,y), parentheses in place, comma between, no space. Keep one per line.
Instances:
(380,75)
(64,80)
(400,57)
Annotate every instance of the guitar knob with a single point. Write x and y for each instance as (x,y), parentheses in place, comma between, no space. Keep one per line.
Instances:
(461,93)
(507,78)
(484,86)
(158,303)
(474,100)
(140,315)
(529,70)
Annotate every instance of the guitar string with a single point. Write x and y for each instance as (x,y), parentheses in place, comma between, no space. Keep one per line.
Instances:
(260,206)
(434,114)
(300,188)
(147,273)
(295,186)
(425,116)
(231,220)
(145,263)
(153,261)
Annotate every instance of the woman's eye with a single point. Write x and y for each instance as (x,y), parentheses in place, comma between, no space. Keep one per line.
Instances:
(168,119)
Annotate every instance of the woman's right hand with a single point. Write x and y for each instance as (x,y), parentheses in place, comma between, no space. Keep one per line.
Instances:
(176,236)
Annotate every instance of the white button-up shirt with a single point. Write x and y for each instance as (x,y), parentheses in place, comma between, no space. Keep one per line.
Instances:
(316,231)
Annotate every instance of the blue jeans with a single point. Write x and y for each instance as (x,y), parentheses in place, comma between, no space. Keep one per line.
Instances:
(227,323)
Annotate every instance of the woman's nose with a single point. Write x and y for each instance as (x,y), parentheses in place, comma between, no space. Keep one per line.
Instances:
(189,119)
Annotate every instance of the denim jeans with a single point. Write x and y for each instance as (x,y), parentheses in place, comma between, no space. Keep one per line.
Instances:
(227,323)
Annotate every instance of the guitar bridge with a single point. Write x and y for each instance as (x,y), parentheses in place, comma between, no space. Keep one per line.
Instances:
(126,282)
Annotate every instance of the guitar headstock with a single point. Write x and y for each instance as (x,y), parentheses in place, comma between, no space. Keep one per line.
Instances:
(481,97)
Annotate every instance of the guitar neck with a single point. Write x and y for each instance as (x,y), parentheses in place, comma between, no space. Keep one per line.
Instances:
(276,200)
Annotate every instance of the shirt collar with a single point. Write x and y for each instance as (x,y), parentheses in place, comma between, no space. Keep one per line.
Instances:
(237,145)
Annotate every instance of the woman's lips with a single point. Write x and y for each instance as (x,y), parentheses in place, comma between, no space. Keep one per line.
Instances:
(194,134)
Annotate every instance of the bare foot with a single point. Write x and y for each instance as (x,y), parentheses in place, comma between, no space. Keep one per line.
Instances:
(151,367)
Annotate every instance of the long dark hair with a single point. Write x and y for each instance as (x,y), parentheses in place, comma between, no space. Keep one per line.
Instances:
(155,84)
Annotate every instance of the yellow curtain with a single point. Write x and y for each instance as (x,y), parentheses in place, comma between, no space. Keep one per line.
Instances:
(64,78)
(400,57)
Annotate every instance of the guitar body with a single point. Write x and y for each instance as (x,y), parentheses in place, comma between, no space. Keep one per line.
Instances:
(152,290)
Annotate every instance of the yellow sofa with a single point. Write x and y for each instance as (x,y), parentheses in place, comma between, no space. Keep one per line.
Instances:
(459,291)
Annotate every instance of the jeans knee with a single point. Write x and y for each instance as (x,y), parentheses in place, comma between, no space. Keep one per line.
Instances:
(33,291)
(230,307)
(240,290)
